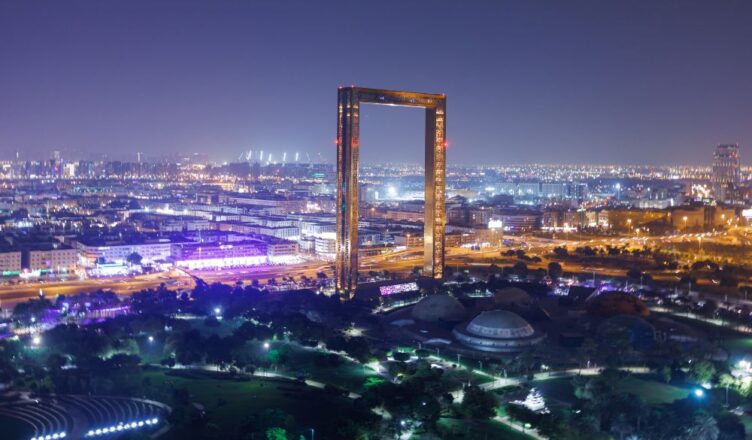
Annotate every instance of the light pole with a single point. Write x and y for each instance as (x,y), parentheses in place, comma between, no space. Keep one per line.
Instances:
(727,385)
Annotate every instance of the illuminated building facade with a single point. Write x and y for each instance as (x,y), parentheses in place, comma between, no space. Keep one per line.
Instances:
(349,100)
(726,174)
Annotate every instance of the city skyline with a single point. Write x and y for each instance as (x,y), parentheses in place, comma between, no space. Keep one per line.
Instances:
(623,83)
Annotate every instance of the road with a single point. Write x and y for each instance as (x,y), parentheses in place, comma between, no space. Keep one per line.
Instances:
(399,262)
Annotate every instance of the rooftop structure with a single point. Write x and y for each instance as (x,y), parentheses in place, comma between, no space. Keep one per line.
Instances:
(497,331)
(441,307)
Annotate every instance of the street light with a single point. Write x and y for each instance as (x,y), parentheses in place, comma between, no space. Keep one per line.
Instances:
(699,393)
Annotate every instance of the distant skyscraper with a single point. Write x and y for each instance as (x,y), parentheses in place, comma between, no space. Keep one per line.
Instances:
(726,176)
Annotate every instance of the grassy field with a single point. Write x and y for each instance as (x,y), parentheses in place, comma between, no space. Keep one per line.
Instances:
(651,391)
(308,362)
(486,430)
(230,402)
(738,347)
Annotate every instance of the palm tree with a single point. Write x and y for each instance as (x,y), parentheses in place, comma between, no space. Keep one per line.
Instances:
(704,427)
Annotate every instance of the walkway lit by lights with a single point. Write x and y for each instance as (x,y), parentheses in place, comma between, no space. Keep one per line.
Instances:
(120,427)
(54,436)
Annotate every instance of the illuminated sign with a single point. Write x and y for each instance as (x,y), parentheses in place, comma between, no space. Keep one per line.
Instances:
(398,288)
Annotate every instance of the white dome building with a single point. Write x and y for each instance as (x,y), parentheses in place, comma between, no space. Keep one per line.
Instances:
(439,307)
(497,331)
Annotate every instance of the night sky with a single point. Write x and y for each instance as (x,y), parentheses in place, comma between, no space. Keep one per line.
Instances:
(638,82)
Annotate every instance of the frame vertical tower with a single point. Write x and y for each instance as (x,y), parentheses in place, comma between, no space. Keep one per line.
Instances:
(349,100)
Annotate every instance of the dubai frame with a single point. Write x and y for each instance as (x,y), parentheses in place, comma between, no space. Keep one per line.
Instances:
(349,100)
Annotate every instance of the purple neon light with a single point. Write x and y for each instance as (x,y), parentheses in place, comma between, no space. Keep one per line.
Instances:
(398,288)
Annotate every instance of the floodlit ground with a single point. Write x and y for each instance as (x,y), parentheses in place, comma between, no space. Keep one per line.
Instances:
(300,361)
(490,429)
(651,391)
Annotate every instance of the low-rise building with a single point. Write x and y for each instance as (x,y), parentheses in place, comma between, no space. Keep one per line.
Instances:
(92,251)
(10,262)
(51,258)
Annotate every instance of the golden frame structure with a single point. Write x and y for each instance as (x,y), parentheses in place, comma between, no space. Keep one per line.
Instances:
(349,100)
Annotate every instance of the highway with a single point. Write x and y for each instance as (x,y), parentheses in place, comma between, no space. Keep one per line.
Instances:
(398,262)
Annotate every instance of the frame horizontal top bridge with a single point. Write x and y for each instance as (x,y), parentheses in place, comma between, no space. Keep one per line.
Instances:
(395,97)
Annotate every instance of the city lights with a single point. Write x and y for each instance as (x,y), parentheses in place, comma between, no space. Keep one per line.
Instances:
(584,242)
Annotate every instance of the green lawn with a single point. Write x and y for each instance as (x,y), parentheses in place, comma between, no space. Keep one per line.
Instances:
(230,402)
(738,346)
(490,430)
(652,391)
(307,362)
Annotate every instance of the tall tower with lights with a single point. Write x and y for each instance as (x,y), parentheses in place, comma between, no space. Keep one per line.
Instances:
(349,100)
(726,171)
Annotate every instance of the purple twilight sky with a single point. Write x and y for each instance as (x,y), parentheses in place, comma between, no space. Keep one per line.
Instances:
(651,82)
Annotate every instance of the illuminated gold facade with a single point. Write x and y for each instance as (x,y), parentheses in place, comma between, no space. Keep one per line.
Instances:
(349,100)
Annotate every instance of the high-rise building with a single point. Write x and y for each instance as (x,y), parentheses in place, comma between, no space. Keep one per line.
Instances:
(726,176)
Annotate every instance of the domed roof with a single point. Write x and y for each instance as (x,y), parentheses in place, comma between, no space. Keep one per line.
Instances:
(440,307)
(500,324)
(512,295)
(615,303)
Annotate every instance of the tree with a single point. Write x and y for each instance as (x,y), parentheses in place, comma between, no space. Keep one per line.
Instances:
(730,427)
(587,350)
(276,434)
(554,270)
(561,252)
(666,373)
(520,268)
(634,274)
(704,427)
(134,259)
(477,403)
(702,371)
